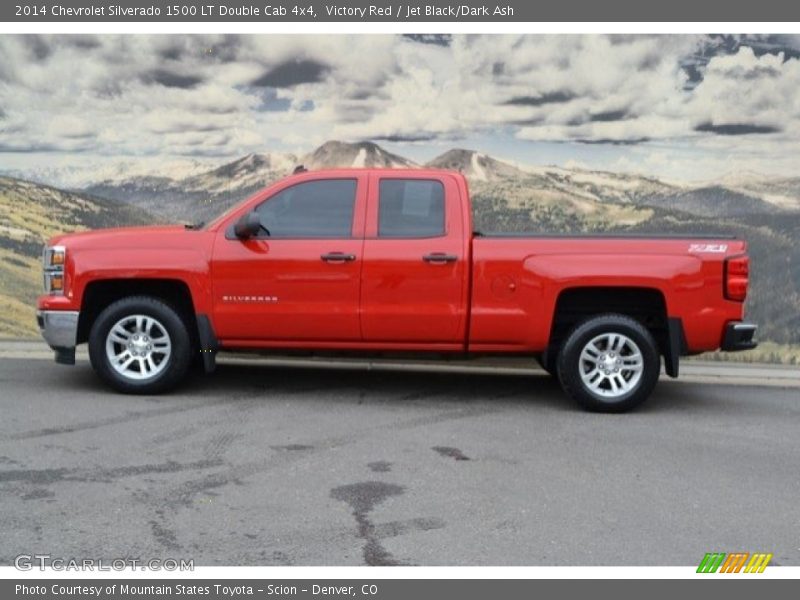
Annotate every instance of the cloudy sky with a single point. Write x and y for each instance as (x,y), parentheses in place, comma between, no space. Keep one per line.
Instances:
(679,107)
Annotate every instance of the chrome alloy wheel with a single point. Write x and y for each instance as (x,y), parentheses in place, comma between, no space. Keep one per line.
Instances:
(611,365)
(138,347)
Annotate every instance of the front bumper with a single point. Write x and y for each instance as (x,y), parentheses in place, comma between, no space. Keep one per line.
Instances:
(739,336)
(60,330)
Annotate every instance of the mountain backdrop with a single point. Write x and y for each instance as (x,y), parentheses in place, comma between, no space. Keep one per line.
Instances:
(506,197)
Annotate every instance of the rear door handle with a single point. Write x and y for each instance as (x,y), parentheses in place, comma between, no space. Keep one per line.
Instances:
(338,257)
(439,258)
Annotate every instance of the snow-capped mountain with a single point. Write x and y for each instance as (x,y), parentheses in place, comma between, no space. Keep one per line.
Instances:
(81,175)
(602,186)
(253,170)
(474,165)
(191,189)
(334,154)
(206,193)
(584,191)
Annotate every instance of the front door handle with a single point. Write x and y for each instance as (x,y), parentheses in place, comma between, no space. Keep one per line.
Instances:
(439,258)
(338,257)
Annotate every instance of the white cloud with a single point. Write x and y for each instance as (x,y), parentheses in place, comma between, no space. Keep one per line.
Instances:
(205,95)
(744,88)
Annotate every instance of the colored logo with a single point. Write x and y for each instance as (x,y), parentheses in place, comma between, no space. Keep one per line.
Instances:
(736,562)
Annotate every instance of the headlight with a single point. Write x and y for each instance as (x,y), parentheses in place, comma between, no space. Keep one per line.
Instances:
(53,260)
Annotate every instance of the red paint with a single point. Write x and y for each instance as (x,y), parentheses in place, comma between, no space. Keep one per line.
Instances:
(499,295)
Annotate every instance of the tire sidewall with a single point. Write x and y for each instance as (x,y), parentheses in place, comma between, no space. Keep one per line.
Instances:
(569,367)
(180,355)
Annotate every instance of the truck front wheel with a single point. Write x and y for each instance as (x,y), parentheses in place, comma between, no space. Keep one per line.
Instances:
(609,363)
(140,345)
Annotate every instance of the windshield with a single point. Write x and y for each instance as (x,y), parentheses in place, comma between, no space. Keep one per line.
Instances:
(214,218)
(214,221)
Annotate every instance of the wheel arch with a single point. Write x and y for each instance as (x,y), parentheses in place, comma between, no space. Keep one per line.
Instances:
(647,305)
(101,293)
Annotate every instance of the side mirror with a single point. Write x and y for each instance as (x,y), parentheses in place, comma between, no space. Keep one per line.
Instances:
(248,225)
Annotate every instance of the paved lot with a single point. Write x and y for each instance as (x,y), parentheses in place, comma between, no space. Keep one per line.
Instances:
(285,465)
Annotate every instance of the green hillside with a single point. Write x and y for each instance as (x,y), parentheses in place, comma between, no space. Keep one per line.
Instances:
(527,205)
(29,214)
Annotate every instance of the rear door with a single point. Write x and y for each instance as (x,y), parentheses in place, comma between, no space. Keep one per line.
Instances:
(415,263)
(299,280)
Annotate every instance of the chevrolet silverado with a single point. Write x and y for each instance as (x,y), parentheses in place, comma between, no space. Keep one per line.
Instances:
(369,261)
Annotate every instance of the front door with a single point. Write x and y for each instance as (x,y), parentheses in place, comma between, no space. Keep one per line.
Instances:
(299,279)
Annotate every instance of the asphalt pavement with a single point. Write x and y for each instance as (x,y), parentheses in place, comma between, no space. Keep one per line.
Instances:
(300,464)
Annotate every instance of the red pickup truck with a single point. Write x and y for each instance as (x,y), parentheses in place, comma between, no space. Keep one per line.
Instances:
(385,260)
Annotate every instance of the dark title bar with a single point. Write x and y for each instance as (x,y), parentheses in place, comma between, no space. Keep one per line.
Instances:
(386,589)
(402,11)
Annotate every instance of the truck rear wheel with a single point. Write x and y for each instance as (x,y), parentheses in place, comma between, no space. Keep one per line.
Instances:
(609,363)
(140,345)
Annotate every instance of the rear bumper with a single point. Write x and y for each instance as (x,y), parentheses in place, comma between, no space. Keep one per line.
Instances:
(60,330)
(739,336)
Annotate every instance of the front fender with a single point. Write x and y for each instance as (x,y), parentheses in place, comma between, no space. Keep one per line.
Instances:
(87,265)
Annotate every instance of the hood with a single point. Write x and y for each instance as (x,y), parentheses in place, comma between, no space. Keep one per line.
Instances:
(160,236)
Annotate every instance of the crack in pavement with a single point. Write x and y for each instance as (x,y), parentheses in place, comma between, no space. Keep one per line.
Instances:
(362,498)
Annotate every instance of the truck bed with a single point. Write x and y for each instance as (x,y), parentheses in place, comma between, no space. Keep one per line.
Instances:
(605,235)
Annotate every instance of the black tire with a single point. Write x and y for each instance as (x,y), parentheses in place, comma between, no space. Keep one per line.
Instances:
(569,364)
(177,364)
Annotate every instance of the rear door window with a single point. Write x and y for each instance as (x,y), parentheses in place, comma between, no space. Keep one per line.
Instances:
(410,208)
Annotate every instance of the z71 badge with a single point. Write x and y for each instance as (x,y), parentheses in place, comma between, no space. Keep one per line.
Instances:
(715,248)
